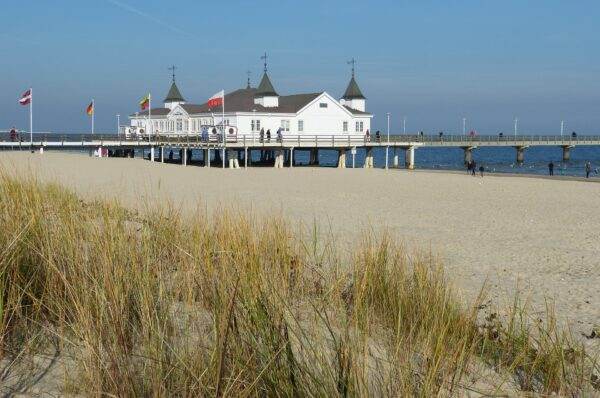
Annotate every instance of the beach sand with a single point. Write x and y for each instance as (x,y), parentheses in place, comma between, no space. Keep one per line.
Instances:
(538,236)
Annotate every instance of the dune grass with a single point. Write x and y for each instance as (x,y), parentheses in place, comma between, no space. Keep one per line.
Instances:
(156,304)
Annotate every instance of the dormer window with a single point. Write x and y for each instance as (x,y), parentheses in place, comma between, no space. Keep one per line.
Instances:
(323,105)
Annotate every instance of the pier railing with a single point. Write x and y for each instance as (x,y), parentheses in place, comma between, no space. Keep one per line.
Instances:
(22,139)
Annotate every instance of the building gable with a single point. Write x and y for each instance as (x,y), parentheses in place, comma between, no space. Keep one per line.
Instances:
(331,109)
(178,111)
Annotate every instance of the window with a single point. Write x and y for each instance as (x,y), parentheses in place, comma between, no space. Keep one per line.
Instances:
(300,126)
(285,125)
(359,127)
(255,125)
(345,127)
(323,105)
(179,125)
(187,125)
(252,125)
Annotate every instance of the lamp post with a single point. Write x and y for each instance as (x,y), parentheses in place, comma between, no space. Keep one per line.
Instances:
(118,125)
(404,125)
(562,127)
(464,126)
(516,126)
(388,127)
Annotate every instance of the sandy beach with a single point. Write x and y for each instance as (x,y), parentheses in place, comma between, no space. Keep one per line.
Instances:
(534,235)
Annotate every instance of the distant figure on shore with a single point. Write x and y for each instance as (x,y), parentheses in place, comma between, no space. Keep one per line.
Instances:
(377,136)
(574,134)
(588,169)
(551,168)
(367,136)
(268,135)
(171,155)
(481,170)
(473,168)
(13,134)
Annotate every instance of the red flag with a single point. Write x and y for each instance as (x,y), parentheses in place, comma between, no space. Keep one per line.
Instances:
(25,98)
(216,100)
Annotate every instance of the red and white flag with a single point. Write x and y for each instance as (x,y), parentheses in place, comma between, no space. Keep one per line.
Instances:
(216,99)
(25,98)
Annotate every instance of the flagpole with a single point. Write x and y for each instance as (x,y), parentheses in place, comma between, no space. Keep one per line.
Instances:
(31,120)
(223,123)
(93,114)
(150,116)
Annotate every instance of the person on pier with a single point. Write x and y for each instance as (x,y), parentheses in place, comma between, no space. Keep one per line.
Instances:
(377,136)
(279,135)
(268,135)
(262,135)
(367,136)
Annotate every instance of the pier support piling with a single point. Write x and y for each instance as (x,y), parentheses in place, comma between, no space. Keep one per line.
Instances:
(520,154)
(233,159)
(395,161)
(410,158)
(162,154)
(369,159)
(152,154)
(314,157)
(566,153)
(278,159)
(468,154)
(184,158)
(291,157)
(342,158)
(207,157)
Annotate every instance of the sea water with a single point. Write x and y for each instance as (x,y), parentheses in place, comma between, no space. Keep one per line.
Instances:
(494,159)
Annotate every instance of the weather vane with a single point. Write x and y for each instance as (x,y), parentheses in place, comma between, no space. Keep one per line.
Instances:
(353,63)
(248,73)
(172,69)
(264,57)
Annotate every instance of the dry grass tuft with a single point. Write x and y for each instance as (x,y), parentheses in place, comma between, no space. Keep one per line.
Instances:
(225,305)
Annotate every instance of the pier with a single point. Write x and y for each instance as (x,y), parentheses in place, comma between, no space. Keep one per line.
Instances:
(236,149)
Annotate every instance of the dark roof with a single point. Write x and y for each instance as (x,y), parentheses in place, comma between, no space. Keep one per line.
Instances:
(242,100)
(352,91)
(356,111)
(155,112)
(174,95)
(265,88)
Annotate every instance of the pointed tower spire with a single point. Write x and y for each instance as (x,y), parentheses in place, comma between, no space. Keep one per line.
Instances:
(248,84)
(265,93)
(174,96)
(353,91)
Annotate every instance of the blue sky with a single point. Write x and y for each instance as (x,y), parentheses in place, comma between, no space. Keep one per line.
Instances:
(433,62)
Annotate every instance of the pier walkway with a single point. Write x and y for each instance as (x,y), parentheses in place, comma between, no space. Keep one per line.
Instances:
(236,147)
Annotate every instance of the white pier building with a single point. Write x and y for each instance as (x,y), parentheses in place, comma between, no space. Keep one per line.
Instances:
(249,110)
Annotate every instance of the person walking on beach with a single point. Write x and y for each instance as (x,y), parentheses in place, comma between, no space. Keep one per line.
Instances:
(481,169)
(551,168)
(588,169)
(473,168)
